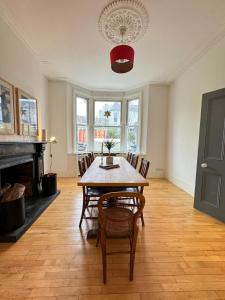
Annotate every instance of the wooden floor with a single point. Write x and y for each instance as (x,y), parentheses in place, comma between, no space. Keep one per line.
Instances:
(180,254)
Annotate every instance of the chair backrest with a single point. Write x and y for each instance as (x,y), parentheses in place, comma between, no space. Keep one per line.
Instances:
(134,160)
(82,166)
(117,198)
(129,157)
(88,161)
(144,167)
(92,157)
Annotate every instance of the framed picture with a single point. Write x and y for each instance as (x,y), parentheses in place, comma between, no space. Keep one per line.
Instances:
(7,123)
(27,114)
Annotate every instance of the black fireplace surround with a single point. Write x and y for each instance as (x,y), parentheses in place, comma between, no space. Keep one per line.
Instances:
(22,162)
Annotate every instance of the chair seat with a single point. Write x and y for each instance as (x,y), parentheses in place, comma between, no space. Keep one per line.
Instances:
(133,189)
(118,227)
(99,191)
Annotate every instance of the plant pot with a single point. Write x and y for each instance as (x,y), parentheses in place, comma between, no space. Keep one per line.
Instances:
(12,214)
(109,160)
(49,184)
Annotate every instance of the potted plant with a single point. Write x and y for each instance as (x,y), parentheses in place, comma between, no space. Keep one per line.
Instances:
(109,144)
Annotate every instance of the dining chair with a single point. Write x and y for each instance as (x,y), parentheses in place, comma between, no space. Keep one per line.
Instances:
(91,195)
(143,170)
(134,160)
(118,222)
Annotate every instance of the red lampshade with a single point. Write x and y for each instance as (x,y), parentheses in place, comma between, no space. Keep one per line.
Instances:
(122,58)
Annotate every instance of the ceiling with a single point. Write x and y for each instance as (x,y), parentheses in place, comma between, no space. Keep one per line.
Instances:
(64,35)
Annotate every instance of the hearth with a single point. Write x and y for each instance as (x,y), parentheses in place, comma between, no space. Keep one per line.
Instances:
(22,162)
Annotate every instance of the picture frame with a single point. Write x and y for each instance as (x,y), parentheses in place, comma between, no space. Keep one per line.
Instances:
(27,114)
(7,109)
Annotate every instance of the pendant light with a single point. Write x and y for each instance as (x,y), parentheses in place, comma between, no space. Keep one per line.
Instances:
(122,56)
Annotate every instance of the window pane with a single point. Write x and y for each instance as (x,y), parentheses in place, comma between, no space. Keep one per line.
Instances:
(132,138)
(133,111)
(114,108)
(81,138)
(81,109)
(102,134)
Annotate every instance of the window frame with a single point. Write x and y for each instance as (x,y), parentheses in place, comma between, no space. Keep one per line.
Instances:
(132,98)
(108,126)
(124,100)
(76,124)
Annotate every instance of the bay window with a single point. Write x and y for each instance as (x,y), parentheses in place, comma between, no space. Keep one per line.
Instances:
(99,120)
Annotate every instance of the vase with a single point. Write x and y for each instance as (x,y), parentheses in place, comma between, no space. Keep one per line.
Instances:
(109,160)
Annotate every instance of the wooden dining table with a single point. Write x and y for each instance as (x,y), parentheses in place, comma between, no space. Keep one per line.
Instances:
(123,176)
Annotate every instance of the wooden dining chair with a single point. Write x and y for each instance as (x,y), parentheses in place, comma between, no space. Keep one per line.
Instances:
(91,195)
(143,170)
(134,161)
(118,222)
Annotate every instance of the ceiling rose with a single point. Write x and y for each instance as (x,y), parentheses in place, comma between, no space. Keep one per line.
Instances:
(128,14)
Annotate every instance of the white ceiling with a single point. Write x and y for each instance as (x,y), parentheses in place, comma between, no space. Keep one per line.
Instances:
(65,34)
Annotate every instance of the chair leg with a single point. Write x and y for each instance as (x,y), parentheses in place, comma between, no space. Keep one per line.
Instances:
(104,264)
(104,267)
(82,214)
(132,258)
(85,204)
(141,216)
(98,237)
(142,219)
(132,255)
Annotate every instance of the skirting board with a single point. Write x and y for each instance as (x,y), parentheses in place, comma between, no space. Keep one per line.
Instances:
(188,188)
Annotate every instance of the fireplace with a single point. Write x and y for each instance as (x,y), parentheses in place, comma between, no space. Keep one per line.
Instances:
(21,173)
(22,162)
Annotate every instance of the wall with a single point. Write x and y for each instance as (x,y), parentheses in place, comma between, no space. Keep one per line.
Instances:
(206,75)
(57,95)
(20,67)
(154,115)
(157,129)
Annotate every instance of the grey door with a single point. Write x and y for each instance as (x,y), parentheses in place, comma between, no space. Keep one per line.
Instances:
(210,178)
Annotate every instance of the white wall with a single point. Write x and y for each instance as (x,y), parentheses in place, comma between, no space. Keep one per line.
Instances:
(157,129)
(20,67)
(154,116)
(206,75)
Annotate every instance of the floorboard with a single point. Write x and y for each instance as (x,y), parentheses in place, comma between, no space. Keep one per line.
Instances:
(180,253)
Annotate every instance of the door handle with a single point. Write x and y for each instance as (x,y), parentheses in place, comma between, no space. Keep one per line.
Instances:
(204,165)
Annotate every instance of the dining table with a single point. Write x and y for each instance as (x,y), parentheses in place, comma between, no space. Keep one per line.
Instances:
(124,175)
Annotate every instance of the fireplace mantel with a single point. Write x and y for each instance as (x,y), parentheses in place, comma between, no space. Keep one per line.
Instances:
(21,147)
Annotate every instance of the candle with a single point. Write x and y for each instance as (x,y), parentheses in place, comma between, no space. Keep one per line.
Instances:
(102,147)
